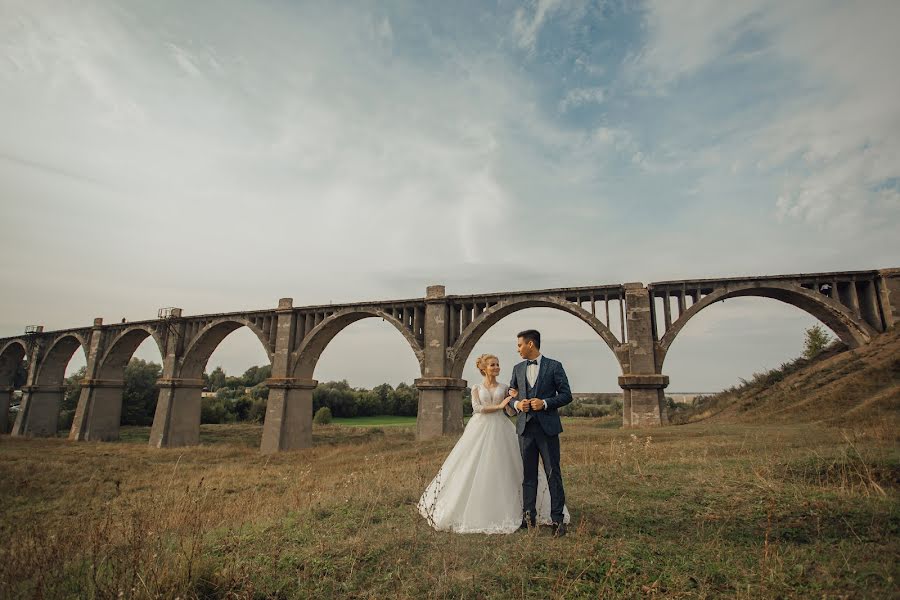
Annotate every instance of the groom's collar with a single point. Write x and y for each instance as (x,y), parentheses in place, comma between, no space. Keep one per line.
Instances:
(538,359)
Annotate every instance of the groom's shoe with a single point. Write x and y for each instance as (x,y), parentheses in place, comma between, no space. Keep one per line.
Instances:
(559,529)
(527,523)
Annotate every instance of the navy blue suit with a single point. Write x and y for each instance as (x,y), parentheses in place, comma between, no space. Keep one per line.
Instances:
(539,432)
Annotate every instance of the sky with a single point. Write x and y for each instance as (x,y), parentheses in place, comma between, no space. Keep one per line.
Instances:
(217,156)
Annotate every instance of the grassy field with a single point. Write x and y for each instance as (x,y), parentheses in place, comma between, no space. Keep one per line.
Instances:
(695,511)
(379,421)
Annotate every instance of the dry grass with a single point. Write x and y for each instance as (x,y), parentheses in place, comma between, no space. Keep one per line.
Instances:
(695,511)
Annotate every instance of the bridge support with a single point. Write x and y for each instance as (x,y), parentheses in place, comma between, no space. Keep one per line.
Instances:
(644,404)
(177,418)
(99,411)
(440,397)
(288,424)
(5,400)
(39,410)
(440,407)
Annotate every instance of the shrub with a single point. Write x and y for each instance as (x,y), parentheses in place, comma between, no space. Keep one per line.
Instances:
(322,416)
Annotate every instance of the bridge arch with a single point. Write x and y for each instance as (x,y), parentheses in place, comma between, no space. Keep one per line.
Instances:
(122,348)
(305,358)
(468,338)
(208,339)
(849,328)
(12,354)
(51,369)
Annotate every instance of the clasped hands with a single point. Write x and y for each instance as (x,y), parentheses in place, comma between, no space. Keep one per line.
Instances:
(527,405)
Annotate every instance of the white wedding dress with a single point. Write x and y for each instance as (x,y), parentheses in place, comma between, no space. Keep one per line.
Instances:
(479,487)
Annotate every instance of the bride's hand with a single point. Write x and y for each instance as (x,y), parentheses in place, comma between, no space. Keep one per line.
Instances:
(513,392)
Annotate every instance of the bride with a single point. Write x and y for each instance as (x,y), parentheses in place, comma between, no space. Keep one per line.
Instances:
(479,487)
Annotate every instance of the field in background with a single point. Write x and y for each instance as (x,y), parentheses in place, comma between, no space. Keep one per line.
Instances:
(694,511)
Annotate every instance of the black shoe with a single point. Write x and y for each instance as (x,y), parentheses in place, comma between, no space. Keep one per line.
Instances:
(559,529)
(527,523)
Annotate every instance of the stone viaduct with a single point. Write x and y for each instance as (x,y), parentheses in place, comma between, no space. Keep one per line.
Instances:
(441,330)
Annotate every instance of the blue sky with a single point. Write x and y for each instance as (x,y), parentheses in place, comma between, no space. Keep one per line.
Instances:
(220,155)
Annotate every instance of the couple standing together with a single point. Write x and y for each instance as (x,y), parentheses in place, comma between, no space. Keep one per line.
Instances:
(490,483)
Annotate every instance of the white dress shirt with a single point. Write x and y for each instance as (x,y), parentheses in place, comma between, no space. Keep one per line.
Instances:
(531,373)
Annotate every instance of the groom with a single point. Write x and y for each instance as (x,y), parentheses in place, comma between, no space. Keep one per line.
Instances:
(543,387)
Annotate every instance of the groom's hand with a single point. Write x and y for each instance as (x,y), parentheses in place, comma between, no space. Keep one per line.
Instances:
(538,404)
(524,405)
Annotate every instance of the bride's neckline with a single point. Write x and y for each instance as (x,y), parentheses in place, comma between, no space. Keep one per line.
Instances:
(490,389)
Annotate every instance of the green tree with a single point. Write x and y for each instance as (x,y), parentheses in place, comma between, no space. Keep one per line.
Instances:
(816,341)
(216,379)
(70,399)
(256,375)
(140,392)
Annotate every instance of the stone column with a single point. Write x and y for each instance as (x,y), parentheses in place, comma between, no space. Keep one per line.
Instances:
(31,395)
(889,293)
(39,410)
(177,418)
(5,400)
(288,424)
(644,403)
(99,409)
(440,397)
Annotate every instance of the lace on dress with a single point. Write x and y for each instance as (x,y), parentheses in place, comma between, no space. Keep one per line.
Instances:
(489,398)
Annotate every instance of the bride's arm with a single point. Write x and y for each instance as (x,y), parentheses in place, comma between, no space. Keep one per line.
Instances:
(495,407)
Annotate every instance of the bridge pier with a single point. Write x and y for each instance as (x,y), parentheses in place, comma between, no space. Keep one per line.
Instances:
(440,397)
(288,424)
(289,409)
(644,403)
(440,407)
(177,418)
(5,400)
(39,410)
(99,411)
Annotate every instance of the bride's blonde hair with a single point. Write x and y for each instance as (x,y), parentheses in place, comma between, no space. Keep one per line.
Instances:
(481,362)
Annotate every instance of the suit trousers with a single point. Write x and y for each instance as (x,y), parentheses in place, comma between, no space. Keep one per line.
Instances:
(533,443)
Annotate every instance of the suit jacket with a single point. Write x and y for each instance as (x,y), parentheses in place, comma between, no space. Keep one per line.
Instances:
(551,386)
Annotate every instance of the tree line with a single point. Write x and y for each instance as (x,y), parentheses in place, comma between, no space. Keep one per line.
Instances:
(242,398)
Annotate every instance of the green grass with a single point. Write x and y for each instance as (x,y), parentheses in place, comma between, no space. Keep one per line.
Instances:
(377,421)
(696,511)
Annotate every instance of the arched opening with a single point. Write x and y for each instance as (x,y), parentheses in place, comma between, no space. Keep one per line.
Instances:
(849,328)
(233,363)
(741,336)
(591,368)
(123,390)
(45,407)
(463,347)
(366,373)
(13,374)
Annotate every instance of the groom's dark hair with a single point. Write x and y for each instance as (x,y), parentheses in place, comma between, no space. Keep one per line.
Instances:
(531,335)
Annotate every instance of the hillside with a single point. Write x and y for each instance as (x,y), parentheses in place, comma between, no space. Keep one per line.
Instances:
(839,388)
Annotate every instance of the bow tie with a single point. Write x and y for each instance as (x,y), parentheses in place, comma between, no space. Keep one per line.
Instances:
(530,362)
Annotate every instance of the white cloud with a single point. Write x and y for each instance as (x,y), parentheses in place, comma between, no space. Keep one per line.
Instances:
(580,97)
(527,23)
(835,134)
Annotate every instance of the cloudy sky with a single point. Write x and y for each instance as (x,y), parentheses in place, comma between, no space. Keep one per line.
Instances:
(217,156)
